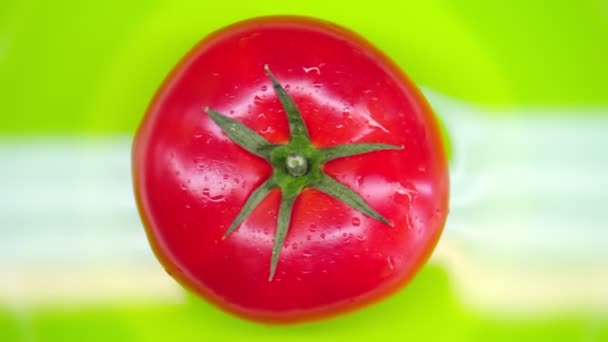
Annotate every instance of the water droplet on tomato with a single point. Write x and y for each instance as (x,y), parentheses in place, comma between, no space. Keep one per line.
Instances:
(356,221)
(361,237)
(212,198)
(268,129)
(187,206)
(408,222)
(323,236)
(347,114)
(257,100)
(359,180)
(264,87)
(317,85)
(261,116)
(390,263)
(313,228)
(287,87)
(347,238)
(313,68)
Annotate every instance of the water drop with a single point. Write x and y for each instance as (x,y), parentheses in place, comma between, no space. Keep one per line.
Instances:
(287,87)
(390,263)
(346,237)
(359,180)
(267,130)
(212,198)
(313,228)
(261,116)
(356,221)
(317,85)
(323,236)
(408,222)
(314,68)
(264,87)
(294,246)
(257,100)
(361,237)
(187,206)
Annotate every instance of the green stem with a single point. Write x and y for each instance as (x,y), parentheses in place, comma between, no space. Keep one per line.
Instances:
(297,128)
(283,221)
(296,166)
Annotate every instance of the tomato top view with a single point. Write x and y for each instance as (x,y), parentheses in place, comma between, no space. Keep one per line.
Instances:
(287,170)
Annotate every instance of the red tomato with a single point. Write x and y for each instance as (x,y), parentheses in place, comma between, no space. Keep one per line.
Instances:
(192,179)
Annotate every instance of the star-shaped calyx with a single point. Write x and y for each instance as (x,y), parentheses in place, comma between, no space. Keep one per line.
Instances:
(297,165)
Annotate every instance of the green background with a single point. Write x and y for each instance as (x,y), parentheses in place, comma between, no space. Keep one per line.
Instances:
(90,69)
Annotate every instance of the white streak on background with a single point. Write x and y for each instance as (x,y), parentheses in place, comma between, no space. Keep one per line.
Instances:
(527,228)
(69,228)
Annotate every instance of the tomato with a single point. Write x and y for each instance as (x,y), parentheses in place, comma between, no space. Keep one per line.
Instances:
(287,170)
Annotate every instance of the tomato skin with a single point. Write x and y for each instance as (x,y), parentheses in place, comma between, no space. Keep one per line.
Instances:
(190,180)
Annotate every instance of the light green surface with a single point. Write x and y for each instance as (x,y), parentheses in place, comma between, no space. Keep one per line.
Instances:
(92,67)
(89,69)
